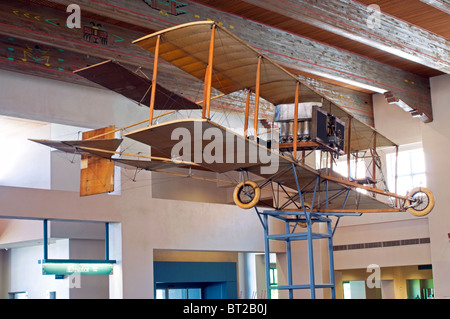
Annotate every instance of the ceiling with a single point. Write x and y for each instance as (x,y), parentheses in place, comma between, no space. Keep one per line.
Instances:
(345,69)
(415,12)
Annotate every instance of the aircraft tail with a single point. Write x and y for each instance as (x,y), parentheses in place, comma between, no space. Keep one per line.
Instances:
(97,173)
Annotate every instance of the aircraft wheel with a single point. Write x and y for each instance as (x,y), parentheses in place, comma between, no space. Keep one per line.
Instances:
(246,195)
(421,201)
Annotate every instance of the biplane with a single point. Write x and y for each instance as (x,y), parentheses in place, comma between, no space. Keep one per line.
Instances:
(272,157)
(305,120)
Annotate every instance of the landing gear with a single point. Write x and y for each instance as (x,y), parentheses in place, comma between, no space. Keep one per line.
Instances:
(246,195)
(420,202)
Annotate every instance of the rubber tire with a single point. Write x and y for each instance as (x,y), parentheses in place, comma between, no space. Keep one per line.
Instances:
(255,199)
(427,209)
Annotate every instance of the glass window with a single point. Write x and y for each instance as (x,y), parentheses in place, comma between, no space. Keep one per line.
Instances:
(347,290)
(410,170)
(273,274)
(341,168)
(160,293)
(179,293)
(194,293)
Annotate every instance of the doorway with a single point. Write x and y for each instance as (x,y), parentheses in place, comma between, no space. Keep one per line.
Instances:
(420,288)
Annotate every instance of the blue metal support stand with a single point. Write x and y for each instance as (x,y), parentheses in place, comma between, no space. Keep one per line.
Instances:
(45,237)
(292,218)
(106,241)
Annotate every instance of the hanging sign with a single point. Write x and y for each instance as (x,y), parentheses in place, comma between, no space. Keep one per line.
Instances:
(69,268)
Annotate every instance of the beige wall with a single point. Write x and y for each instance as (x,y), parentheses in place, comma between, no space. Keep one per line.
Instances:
(436,139)
(398,275)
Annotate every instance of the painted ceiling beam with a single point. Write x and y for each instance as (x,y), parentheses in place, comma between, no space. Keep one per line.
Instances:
(35,40)
(366,25)
(45,25)
(443,5)
(290,50)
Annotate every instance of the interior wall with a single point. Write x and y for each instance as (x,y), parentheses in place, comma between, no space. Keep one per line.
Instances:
(380,227)
(197,256)
(4,274)
(166,186)
(384,256)
(17,170)
(19,231)
(90,286)
(406,130)
(436,138)
(25,273)
(396,276)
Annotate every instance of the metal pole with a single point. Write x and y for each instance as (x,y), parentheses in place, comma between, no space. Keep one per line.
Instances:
(331,260)
(396,174)
(45,236)
(312,284)
(298,187)
(106,241)
(289,260)
(296,120)
(267,254)
(310,244)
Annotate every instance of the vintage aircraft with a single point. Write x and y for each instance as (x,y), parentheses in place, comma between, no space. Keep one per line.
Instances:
(309,124)
(307,120)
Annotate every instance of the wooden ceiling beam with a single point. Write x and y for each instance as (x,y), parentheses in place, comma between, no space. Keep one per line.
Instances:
(45,25)
(357,22)
(443,5)
(34,40)
(294,52)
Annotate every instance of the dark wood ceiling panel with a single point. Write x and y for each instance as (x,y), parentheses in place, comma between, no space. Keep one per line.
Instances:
(277,20)
(416,12)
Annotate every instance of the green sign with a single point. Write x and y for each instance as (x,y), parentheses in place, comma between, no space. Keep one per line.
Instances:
(52,268)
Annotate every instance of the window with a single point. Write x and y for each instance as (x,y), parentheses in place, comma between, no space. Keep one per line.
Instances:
(410,171)
(273,274)
(341,168)
(347,290)
(18,295)
(179,293)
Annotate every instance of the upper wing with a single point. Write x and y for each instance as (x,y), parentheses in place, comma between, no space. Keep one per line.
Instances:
(234,68)
(115,77)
